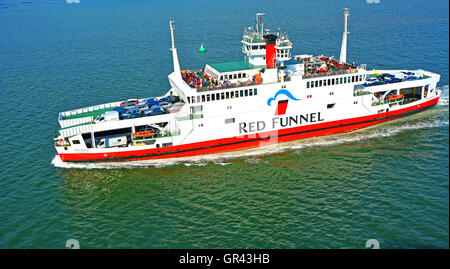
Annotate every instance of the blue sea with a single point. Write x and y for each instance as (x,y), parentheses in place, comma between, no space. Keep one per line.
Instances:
(389,182)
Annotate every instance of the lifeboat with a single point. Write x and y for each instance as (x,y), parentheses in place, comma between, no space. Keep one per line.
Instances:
(143,134)
(395,97)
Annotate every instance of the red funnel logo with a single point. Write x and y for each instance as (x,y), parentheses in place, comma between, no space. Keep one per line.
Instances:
(281,107)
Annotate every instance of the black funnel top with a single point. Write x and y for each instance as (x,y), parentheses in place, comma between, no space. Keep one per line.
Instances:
(270,39)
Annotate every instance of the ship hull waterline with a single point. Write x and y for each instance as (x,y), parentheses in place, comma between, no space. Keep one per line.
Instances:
(249,141)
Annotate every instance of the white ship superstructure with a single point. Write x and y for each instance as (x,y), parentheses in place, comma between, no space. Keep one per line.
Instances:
(269,97)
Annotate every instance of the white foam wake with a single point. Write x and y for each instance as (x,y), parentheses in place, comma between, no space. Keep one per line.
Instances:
(443,100)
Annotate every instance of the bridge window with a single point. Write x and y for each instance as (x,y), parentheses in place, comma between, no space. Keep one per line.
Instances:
(231,120)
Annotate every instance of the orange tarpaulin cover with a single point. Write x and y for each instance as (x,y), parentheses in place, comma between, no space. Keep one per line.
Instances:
(395,97)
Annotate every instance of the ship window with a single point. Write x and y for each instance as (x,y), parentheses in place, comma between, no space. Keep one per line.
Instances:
(360,77)
(329,82)
(246,92)
(255,91)
(203,98)
(198,98)
(250,92)
(189,99)
(227,95)
(317,83)
(239,75)
(312,84)
(320,83)
(307,85)
(235,76)
(226,76)
(213,97)
(222,95)
(337,81)
(325,82)
(166,144)
(231,120)
(231,94)
(217,96)
(208,97)
(332,81)
(236,94)
(345,80)
(221,77)
(242,93)
(76,142)
(254,47)
(330,106)
(340,80)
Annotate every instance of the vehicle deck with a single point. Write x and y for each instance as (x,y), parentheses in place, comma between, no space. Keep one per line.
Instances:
(93,114)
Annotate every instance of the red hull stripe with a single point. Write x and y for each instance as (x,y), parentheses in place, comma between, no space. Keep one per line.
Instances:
(248,141)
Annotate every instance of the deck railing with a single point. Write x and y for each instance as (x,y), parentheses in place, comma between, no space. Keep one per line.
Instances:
(329,73)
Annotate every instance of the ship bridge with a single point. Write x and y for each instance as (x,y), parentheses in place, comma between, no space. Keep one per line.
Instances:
(264,53)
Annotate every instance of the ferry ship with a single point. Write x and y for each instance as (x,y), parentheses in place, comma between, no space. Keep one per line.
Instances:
(269,97)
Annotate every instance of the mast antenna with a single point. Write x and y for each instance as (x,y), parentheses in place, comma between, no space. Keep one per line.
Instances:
(343,57)
(176,63)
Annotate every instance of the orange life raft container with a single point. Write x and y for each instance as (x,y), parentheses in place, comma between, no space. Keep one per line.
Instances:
(395,97)
(143,134)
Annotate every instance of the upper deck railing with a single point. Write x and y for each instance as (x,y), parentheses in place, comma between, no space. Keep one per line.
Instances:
(329,73)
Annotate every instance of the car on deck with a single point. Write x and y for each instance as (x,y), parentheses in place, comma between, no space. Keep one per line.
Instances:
(132,113)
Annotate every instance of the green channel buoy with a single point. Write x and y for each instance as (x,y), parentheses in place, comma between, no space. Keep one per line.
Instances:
(201,49)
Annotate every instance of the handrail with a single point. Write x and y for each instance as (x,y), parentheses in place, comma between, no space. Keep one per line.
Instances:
(329,73)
